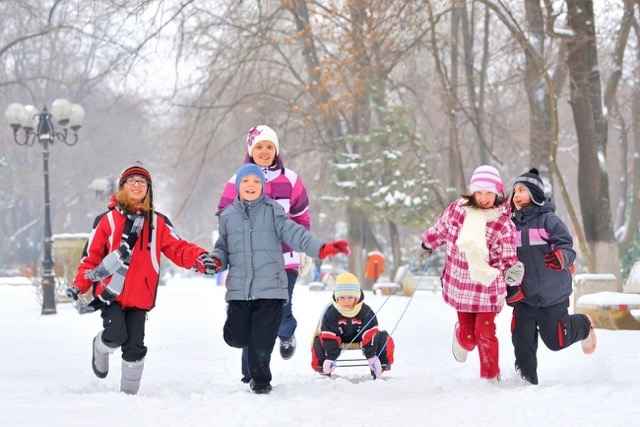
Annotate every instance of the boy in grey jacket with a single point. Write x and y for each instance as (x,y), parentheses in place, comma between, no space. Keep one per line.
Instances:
(251,230)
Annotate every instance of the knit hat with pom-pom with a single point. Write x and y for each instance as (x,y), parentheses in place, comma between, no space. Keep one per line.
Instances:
(347,285)
(534,184)
(135,168)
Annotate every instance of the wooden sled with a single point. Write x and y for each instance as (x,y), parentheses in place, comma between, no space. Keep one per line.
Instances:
(348,358)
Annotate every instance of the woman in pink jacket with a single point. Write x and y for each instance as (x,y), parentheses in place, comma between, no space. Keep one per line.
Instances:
(481,258)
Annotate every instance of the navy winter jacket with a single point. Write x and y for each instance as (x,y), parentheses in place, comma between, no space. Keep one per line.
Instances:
(540,231)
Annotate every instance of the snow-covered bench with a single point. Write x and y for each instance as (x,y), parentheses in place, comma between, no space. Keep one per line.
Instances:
(407,283)
(597,296)
(386,288)
(317,286)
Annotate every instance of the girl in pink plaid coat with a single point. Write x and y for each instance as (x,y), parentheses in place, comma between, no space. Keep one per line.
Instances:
(481,261)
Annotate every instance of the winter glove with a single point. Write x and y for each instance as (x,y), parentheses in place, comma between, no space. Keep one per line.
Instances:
(514,295)
(328,367)
(94,305)
(554,260)
(72,292)
(206,265)
(335,247)
(305,264)
(423,252)
(374,365)
(514,274)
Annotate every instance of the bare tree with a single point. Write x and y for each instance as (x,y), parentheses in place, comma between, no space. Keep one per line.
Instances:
(591,129)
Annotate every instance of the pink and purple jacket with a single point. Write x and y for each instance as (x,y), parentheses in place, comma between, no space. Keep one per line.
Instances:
(285,187)
(458,289)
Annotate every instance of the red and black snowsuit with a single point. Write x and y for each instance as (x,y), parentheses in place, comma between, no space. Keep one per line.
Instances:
(336,329)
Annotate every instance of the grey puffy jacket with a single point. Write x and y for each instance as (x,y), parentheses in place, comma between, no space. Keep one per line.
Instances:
(249,244)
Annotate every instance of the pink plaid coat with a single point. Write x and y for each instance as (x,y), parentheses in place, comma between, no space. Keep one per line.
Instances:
(458,289)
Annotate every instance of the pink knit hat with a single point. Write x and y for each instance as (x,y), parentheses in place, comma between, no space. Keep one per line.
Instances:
(486,178)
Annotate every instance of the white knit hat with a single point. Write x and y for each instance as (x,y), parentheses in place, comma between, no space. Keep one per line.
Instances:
(262,133)
(486,178)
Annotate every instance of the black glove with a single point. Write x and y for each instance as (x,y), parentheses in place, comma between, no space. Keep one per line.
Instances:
(514,295)
(94,305)
(423,252)
(72,292)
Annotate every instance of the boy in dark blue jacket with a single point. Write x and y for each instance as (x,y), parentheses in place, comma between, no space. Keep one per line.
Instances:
(545,247)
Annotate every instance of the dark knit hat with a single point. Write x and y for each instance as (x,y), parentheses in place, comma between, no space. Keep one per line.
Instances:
(249,169)
(134,168)
(534,184)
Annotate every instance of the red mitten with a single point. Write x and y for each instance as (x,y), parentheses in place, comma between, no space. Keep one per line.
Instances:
(333,248)
(554,260)
(205,264)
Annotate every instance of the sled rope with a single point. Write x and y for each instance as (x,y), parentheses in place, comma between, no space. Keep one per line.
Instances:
(424,269)
(426,265)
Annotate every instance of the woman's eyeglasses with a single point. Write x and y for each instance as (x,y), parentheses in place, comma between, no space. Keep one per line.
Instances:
(133,181)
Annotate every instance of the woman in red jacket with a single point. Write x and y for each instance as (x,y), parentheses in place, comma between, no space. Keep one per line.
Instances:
(121,261)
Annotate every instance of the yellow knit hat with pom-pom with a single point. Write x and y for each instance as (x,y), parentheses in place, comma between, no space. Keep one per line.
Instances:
(347,285)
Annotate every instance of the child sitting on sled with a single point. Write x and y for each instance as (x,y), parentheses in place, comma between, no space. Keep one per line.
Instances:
(348,320)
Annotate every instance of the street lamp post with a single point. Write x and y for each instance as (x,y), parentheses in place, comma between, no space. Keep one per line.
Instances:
(39,126)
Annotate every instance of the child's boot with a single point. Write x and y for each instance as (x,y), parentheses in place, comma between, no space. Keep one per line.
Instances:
(459,351)
(131,376)
(100,356)
(590,342)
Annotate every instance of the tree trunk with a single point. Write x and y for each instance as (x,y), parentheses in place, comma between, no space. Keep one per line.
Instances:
(537,91)
(456,174)
(356,237)
(630,226)
(392,265)
(591,130)
(475,94)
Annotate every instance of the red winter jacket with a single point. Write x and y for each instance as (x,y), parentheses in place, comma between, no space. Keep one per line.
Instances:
(141,282)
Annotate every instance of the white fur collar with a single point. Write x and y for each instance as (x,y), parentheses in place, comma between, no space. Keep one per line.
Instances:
(472,242)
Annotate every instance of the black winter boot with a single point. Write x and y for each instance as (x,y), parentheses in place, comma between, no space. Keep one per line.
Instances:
(260,388)
(287,347)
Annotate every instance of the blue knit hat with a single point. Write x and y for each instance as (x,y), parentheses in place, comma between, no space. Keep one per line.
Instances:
(249,169)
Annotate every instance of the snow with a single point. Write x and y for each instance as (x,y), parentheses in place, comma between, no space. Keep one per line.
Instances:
(192,377)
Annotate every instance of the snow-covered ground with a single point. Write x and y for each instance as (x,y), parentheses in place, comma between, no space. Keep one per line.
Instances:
(192,378)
